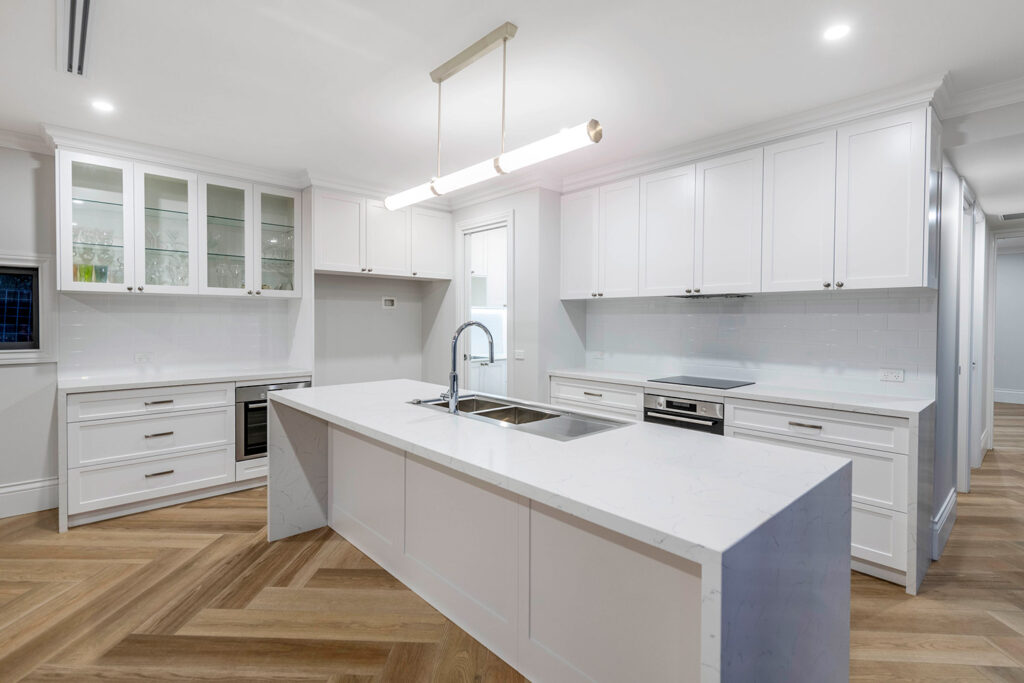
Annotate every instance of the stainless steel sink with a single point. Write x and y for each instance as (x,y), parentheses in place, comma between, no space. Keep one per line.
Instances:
(504,412)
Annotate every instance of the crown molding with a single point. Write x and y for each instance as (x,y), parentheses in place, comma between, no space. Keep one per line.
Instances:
(25,142)
(94,142)
(951,104)
(919,93)
(487,194)
(344,185)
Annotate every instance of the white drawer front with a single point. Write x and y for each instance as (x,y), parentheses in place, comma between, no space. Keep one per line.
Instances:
(880,536)
(105,486)
(102,405)
(839,427)
(91,443)
(251,469)
(597,409)
(879,479)
(598,394)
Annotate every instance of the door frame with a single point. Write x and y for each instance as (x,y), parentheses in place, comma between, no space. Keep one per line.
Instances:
(965,285)
(463,229)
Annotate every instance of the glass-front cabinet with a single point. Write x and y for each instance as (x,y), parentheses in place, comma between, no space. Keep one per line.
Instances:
(278,242)
(96,236)
(226,233)
(166,233)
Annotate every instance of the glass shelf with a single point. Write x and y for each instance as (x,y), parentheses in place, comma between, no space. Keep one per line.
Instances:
(165,212)
(279,260)
(75,201)
(225,222)
(231,256)
(278,226)
(158,250)
(94,245)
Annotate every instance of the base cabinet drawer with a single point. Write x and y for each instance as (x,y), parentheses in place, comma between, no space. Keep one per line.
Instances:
(615,396)
(879,478)
(879,535)
(105,486)
(92,443)
(838,427)
(251,469)
(597,409)
(102,405)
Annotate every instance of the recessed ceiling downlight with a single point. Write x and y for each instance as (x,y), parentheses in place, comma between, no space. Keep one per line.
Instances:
(104,106)
(836,32)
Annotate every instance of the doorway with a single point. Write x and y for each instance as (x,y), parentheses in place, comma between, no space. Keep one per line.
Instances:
(965,365)
(486,299)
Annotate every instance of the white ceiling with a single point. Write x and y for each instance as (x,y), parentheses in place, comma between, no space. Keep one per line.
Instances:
(341,87)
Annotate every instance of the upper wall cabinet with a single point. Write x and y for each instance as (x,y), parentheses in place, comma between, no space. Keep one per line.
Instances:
(666,232)
(226,237)
(356,235)
(600,241)
(166,249)
(798,231)
(278,242)
(881,236)
(728,224)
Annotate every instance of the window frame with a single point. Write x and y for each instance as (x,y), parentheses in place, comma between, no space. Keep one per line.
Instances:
(34,343)
(45,309)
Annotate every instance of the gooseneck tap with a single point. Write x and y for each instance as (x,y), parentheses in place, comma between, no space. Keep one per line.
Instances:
(452,396)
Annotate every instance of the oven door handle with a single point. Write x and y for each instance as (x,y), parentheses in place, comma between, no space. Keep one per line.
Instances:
(675,418)
(250,406)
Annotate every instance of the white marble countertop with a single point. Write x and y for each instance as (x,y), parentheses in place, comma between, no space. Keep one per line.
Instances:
(693,494)
(875,404)
(143,377)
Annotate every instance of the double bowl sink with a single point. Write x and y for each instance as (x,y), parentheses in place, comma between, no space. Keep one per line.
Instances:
(504,412)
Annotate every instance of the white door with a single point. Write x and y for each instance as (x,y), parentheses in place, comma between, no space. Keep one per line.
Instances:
(486,301)
(339,228)
(798,229)
(618,239)
(387,240)
(880,202)
(227,237)
(666,232)
(96,223)
(978,341)
(278,249)
(964,352)
(579,245)
(728,237)
(432,248)
(166,231)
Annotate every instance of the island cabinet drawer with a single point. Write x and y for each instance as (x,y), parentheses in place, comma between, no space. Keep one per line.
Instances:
(101,405)
(879,478)
(879,535)
(92,443)
(615,396)
(93,488)
(844,428)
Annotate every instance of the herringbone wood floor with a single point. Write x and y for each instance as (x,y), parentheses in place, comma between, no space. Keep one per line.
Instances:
(195,592)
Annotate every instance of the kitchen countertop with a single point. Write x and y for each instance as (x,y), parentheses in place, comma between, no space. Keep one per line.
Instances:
(693,494)
(172,376)
(875,404)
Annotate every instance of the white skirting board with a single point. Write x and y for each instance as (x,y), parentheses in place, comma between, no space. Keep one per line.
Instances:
(1008,395)
(28,496)
(942,524)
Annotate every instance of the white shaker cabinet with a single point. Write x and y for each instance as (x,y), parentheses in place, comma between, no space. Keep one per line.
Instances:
(167,232)
(226,237)
(579,245)
(881,236)
(432,246)
(728,224)
(798,231)
(666,232)
(339,223)
(387,240)
(618,239)
(278,243)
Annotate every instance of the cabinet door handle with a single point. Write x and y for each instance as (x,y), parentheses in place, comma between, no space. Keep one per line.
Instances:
(369,270)
(804,425)
(159,474)
(140,288)
(414,273)
(600,293)
(689,291)
(826,285)
(249,292)
(259,291)
(591,393)
(593,294)
(130,288)
(160,403)
(663,416)
(696,291)
(839,284)
(159,434)
(362,270)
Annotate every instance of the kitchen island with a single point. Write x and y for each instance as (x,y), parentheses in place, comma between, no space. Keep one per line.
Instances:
(637,553)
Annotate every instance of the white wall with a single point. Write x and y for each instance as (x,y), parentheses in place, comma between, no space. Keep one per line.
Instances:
(833,340)
(28,433)
(357,340)
(1009,342)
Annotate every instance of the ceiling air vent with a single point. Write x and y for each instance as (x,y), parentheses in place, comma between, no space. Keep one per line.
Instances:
(72,35)
(1013,216)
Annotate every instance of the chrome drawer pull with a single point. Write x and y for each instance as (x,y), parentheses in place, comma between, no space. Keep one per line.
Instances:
(251,406)
(804,425)
(153,436)
(663,416)
(160,403)
(159,474)
(591,393)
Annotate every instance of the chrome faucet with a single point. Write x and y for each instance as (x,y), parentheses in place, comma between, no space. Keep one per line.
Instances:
(452,396)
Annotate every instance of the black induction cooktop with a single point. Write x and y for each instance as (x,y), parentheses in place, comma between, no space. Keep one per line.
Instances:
(708,382)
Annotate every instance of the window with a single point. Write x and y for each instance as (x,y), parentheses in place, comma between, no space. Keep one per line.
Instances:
(19,308)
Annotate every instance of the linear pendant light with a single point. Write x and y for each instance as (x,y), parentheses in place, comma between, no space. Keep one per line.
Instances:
(565,141)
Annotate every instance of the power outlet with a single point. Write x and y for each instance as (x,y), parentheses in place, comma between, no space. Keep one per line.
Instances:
(891,375)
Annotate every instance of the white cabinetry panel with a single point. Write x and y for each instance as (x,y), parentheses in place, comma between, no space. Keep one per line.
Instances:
(100,405)
(339,222)
(618,239)
(879,535)
(880,202)
(251,469)
(432,250)
(579,245)
(798,236)
(728,243)
(387,240)
(667,232)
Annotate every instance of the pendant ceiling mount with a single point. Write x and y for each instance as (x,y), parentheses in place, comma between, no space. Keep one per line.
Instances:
(566,140)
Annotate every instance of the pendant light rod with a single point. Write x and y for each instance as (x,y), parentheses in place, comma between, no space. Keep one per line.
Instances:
(438,130)
(474,52)
(504,74)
